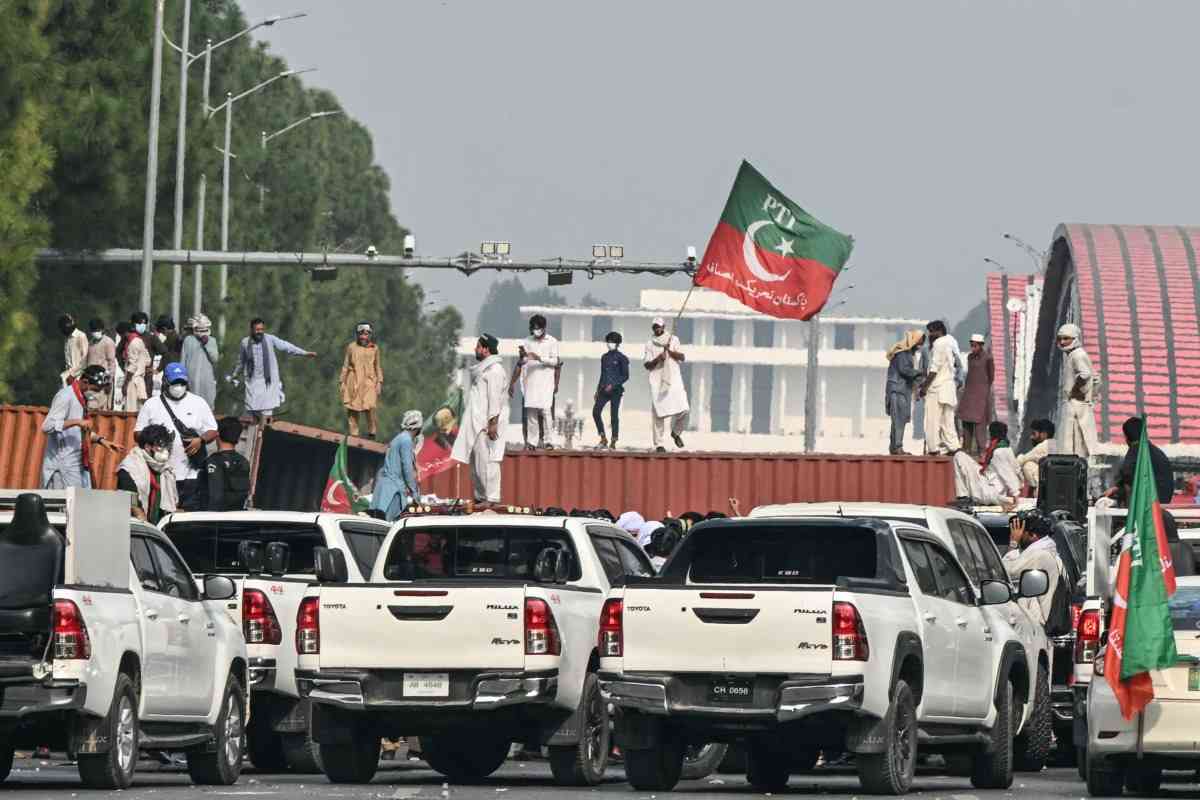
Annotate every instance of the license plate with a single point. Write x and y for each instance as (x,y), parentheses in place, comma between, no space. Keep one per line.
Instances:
(726,690)
(427,684)
(1194,679)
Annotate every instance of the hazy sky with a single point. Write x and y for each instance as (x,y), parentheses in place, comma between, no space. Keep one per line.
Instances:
(925,129)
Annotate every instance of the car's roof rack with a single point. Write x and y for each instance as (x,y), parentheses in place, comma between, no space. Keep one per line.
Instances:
(55,499)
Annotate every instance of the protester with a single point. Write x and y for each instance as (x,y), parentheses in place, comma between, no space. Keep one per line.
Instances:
(940,391)
(614,372)
(137,366)
(1042,436)
(1031,547)
(645,533)
(668,395)
(480,440)
(154,346)
(102,352)
(67,460)
(75,349)
(1076,416)
(192,420)
(1160,465)
(902,377)
(536,367)
(396,485)
(975,405)
(201,358)
(996,479)
(631,522)
(164,327)
(225,479)
(146,473)
(260,366)
(361,381)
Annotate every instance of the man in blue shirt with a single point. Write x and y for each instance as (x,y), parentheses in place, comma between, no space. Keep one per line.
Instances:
(396,485)
(614,371)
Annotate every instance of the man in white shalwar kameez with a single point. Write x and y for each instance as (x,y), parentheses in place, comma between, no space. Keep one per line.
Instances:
(668,395)
(996,480)
(940,392)
(258,363)
(536,368)
(1076,412)
(480,441)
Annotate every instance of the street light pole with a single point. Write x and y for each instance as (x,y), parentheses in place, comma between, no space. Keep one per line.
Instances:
(198,276)
(152,160)
(1038,256)
(180,143)
(265,137)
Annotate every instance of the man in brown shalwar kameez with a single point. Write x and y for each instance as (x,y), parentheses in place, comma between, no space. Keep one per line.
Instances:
(975,405)
(362,380)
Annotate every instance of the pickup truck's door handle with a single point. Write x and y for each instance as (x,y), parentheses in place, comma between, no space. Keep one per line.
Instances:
(420,613)
(726,616)
(961,622)
(929,617)
(184,618)
(151,614)
(210,626)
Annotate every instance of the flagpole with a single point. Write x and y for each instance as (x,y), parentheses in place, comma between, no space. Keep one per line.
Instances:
(1141,734)
(679,316)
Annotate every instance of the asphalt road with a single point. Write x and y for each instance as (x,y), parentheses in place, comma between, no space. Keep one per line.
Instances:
(515,781)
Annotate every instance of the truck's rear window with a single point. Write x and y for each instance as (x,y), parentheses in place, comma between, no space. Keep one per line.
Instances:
(213,546)
(1185,608)
(789,554)
(473,552)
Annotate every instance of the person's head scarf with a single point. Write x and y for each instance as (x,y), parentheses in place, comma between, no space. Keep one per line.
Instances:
(911,339)
(630,522)
(646,533)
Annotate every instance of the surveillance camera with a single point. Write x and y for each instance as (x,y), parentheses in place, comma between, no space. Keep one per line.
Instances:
(691,254)
(410,245)
(372,252)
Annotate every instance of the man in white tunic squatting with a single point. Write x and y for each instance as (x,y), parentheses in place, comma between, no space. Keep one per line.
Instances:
(668,395)
(537,365)
(480,441)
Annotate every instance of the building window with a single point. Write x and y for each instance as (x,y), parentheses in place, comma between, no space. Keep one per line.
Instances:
(723,332)
(760,398)
(722,394)
(685,371)
(843,337)
(764,333)
(686,331)
(601,327)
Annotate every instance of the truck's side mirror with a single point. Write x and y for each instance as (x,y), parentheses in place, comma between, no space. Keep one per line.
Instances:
(994,593)
(562,573)
(331,565)
(218,587)
(278,558)
(547,566)
(251,556)
(1034,583)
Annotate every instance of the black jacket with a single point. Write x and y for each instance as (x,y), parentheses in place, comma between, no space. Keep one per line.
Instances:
(225,484)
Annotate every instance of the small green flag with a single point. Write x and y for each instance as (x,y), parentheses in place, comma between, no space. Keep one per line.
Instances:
(341,495)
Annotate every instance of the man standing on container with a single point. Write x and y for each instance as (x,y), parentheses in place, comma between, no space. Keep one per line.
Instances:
(614,372)
(975,406)
(102,352)
(537,364)
(941,436)
(902,375)
(1076,415)
(480,440)
(668,395)
(69,434)
(75,349)
(257,361)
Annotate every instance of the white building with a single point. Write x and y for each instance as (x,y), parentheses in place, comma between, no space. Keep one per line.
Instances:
(745,374)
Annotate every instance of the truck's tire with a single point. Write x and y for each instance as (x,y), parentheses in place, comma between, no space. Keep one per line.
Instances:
(114,769)
(464,759)
(301,753)
(767,767)
(656,770)
(354,762)
(1032,746)
(1143,780)
(264,745)
(584,763)
(1105,778)
(891,772)
(734,762)
(6,758)
(702,761)
(994,770)
(221,764)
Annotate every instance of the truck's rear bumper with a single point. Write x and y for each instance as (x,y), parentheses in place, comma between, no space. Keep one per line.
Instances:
(380,690)
(262,674)
(18,700)
(792,700)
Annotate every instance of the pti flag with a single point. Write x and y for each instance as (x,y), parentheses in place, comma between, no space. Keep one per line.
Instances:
(438,435)
(341,495)
(1142,637)
(769,253)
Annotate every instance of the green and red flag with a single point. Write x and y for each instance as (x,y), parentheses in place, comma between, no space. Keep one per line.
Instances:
(341,495)
(769,253)
(1141,637)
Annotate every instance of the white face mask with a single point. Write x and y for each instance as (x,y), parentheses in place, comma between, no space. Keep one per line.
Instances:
(140,327)
(612,345)
(538,333)
(161,456)
(176,391)
(96,335)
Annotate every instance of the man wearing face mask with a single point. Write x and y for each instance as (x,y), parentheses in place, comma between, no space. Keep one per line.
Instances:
(146,473)
(614,372)
(102,352)
(138,367)
(260,366)
(362,380)
(192,420)
(1076,414)
(480,440)
(75,349)
(69,433)
(668,395)
(200,359)
(537,363)
(155,348)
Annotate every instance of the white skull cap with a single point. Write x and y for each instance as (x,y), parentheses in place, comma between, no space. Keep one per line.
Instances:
(659,321)
(1068,331)
(412,420)
(978,338)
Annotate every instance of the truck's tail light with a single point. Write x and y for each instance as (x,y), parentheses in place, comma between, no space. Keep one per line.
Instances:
(1087,636)
(849,635)
(612,639)
(70,633)
(541,631)
(308,627)
(259,623)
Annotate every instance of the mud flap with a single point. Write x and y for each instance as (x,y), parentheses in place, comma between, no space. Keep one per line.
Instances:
(634,731)
(866,735)
(90,735)
(567,730)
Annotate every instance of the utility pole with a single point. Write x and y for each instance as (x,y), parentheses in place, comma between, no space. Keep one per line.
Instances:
(811,423)
(152,161)
(198,277)
(180,144)
(225,216)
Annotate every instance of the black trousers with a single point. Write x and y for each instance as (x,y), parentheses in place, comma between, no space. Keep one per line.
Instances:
(614,413)
(189,495)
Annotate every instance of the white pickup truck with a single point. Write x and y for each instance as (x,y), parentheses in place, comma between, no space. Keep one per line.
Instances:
(798,635)
(474,632)
(270,557)
(108,646)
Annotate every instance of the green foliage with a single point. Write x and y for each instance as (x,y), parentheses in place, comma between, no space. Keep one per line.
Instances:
(320,189)
(976,321)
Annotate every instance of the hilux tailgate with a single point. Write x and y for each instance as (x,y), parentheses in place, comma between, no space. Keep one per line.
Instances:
(746,629)
(410,626)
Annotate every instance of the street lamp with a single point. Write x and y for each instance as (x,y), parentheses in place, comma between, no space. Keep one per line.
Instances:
(1038,256)
(266,137)
(995,264)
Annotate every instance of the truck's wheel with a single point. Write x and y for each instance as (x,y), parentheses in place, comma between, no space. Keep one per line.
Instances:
(891,772)
(1105,778)
(301,753)
(702,761)
(767,768)
(656,770)
(353,762)
(1143,780)
(264,745)
(6,758)
(994,770)
(583,764)
(114,769)
(220,764)
(1032,746)
(463,758)
(734,762)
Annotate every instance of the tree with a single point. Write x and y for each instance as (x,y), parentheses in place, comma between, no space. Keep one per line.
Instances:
(501,315)
(976,321)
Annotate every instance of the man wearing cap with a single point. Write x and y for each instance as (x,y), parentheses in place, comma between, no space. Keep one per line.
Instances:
(975,403)
(1076,415)
(260,366)
(192,419)
(69,434)
(537,367)
(668,395)
(480,440)
(396,484)
(362,380)
(200,359)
